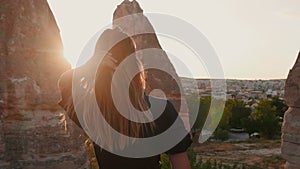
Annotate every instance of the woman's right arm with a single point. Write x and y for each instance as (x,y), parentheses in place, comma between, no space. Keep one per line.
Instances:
(179,161)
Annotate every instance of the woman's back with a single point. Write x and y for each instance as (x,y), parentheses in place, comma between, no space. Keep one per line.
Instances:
(107,160)
(134,104)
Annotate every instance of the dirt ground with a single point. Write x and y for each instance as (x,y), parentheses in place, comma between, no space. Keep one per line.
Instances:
(253,152)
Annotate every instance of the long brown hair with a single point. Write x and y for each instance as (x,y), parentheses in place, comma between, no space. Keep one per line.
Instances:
(119,46)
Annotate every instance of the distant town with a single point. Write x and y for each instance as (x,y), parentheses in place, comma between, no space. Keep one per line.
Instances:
(243,90)
(253,107)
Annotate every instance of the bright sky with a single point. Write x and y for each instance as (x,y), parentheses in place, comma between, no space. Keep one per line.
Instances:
(254,39)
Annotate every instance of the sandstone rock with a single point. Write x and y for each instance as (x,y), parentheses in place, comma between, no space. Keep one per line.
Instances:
(291,123)
(33,131)
(291,149)
(290,130)
(292,138)
(136,22)
(291,165)
(292,86)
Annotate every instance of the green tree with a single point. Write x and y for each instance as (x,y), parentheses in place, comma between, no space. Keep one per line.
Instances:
(281,107)
(201,110)
(249,124)
(221,131)
(224,123)
(237,111)
(221,134)
(266,119)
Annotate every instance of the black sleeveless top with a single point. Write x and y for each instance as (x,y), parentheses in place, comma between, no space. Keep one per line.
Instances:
(107,160)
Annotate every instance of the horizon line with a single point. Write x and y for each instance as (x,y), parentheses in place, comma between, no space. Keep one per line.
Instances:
(205,78)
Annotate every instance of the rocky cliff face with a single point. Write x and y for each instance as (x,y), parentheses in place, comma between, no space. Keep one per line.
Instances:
(291,125)
(33,133)
(133,25)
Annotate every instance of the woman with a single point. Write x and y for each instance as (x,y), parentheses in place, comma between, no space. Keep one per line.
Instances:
(118,46)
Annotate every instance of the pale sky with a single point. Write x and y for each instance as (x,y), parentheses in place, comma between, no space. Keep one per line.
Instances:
(254,39)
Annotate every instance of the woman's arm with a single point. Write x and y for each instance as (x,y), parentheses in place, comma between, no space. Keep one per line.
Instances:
(179,161)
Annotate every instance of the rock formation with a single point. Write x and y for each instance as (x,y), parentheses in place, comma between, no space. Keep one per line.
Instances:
(135,23)
(291,125)
(32,127)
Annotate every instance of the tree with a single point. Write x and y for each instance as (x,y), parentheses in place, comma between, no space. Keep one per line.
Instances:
(221,134)
(249,124)
(281,107)
(224,123)
(238,111)
(198,109)
(203,109)
(266,119)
